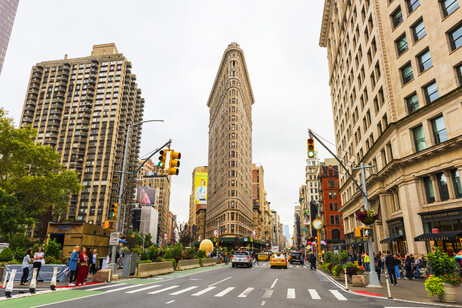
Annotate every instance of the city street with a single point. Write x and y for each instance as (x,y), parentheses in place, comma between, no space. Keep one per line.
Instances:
(244,287)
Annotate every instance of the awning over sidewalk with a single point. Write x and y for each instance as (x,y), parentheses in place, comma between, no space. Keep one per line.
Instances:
(442,236)
(391,238)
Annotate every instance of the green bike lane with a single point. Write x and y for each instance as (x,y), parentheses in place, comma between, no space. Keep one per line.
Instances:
(75,294)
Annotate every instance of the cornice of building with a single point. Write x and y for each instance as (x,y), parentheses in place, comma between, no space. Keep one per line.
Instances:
(325,23)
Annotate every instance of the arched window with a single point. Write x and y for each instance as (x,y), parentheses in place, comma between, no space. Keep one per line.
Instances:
(336,234)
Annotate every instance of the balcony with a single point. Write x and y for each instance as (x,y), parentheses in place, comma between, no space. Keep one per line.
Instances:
(27,120)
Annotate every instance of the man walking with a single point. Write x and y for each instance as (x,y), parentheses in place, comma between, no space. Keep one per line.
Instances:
(312,260)
(390,265)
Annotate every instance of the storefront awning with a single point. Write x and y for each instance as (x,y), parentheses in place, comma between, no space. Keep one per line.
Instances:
(442,236)
(356,243)
(391,238)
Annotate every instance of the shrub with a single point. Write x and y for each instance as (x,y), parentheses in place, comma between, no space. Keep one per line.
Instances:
(351,269)
(6,255)
(144,256)
(191,251)
(159,259)
(330,266)
(200,254)
(328,257)
(52,249)
(343,256)
(337,270)
(325,266)
(440,263)
(153,253)
(168,254)
(19,253)
(452,279)
(434,285)
(146,261)
(361,270)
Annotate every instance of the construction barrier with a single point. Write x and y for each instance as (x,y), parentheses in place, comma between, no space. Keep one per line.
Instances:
(187,264)
(154,268)
(208,262)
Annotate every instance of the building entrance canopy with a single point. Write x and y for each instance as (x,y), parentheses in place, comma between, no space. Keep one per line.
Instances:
(391,239)
(442,236)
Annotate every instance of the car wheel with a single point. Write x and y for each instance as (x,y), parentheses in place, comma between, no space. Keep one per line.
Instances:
(271,266)
(286,267)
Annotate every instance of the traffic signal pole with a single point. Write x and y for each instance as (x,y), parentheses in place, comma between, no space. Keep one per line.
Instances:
(373,279)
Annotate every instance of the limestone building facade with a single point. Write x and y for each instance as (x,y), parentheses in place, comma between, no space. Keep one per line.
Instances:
(230,148)
(395,78)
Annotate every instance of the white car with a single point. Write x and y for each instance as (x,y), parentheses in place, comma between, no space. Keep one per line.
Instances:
(241,258)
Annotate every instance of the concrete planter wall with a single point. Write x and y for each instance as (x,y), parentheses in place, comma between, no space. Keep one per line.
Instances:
(153,269)
(187,264)
(208,262)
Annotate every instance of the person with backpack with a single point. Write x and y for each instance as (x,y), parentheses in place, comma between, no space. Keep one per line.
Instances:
(390,265)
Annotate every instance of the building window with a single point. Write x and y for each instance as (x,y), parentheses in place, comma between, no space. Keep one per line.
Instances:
(336,206)
(412,5)
(335,195)
(336,234)
(406,73)
(331,184)
(439,130)
(442,186)
(431,92)
(449,6)
(459,73)
(429,193)
(330,195)
(397,17)
(331,206)
(425,60)
(455,37)
(401,44)
(337,220)
(412,103)
(419,138)
(456,182)
(332,220)
(418,30)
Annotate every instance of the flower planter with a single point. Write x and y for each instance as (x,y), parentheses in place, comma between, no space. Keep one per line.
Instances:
(368,220)
(449,295)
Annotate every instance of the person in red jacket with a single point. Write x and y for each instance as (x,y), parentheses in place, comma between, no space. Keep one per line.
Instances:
(82,267)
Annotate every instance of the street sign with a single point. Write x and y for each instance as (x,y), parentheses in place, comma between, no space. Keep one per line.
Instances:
(114,238)
(368,232)
(199,238)
(303,229)
(435,230)
(165,236)
(215,232)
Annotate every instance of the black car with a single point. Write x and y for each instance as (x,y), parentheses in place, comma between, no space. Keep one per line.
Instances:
(296,257)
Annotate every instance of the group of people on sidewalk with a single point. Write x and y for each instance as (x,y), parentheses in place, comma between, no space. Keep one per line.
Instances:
(38,260)
(81,264)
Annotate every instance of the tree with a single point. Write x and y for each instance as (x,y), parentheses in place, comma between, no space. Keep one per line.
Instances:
(11,214)
(32,174)
(185,234)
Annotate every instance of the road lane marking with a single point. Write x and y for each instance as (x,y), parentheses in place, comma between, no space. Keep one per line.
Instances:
(338,295)
(172,301)
(211,285)
(120,289)
(224,292)
(143,289)
(314,294)
(268,294)
(108,286)
(246,292)
(184,290)
(163,290)
(274,283)
(203,291)
(263,303)
(290,293)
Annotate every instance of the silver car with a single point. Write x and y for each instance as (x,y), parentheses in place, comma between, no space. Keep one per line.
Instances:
(241,258)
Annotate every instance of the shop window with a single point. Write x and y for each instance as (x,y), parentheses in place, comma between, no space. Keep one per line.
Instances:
(456,183)
(439,130)
(442,186)
(428,186)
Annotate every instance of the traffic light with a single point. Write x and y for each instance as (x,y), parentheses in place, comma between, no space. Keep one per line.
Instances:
(310,142)
(174,163)
(114,209)
(106,225)
(162,159)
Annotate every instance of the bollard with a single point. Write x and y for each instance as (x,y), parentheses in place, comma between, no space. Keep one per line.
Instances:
(33,282)
(53,280)
(388,286)
(9,286)
(7,268)
(346,279)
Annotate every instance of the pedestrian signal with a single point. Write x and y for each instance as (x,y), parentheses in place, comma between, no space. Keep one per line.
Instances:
(174,163)
(310,143)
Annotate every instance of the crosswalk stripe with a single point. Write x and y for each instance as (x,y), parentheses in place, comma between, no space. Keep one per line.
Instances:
(107,286)
(224,292)
(290,293)
(163,290)
(268,293)
(314,294)
(246,292)
(338,295)
(120,289)
(184,290)
(203,291)
(143,289)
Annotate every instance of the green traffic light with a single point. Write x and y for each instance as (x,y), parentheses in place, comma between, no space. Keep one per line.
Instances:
(310,154)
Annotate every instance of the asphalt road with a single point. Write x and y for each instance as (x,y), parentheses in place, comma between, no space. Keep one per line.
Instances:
(232,287)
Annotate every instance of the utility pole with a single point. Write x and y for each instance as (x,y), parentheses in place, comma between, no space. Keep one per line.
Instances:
(218,236)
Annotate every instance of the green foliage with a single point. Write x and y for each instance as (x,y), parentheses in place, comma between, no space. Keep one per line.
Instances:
(325,266)
(19,253)
(168,254)
(18,240)
(200,254)
(52,250)
(434,285)
(144,256)
(328,257)
(11,214)
(153,253)
(6,255)
(159,259)
(453,279)
(173,260)
(146,261)
(176,250)
(351,268)
(336,270)
(191,251)
(230,253)
(343,256)
(440,263)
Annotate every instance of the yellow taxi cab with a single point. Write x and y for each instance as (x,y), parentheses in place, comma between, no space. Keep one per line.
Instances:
(278,259)
(263,256)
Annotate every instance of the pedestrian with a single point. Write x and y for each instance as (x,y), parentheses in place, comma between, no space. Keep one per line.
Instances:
(226,258)
(25,267)
(408,266)
(39,258)
(82,267)
(73,265)
(89,263)
(397,266)
(417,266)
(378,264)
(367,262)
(94,264)
(312,260)
(390,265)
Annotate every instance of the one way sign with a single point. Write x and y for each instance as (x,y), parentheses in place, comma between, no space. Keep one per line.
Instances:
(368,232)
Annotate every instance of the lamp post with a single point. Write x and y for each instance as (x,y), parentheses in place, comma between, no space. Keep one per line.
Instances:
(121,184)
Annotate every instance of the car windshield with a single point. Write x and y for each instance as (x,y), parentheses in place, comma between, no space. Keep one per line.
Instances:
(241,254)
(295,255)
(278,256)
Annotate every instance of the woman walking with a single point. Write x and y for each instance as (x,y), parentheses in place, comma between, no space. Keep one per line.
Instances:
(73,261)
(39,258)
(408,265)
(82,267)
(25,267)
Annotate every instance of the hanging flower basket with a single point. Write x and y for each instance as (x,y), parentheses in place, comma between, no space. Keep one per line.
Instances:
(366,217)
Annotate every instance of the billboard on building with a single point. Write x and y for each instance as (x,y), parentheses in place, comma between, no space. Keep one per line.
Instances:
(146,195)
(200,188)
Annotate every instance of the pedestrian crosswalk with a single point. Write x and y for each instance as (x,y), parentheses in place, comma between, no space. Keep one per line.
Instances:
(216,291)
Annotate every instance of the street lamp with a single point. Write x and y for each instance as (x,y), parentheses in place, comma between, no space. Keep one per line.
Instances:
(121,184)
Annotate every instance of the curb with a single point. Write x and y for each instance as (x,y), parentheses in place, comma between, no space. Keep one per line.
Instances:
(383,297)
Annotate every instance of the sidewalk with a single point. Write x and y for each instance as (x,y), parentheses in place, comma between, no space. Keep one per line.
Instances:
(409,290)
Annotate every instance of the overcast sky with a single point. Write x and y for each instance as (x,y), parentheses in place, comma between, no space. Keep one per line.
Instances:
(175,48)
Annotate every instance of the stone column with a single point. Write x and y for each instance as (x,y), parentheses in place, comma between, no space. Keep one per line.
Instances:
(451,188)
(384,214)
(436,191)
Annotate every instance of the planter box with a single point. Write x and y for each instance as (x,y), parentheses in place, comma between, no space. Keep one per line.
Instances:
(449,295)
(153,269)
(358,281)
(208,262)
(187,264)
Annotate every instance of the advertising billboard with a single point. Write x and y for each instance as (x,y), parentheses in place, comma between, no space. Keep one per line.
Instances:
(200,188)
(146,195)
